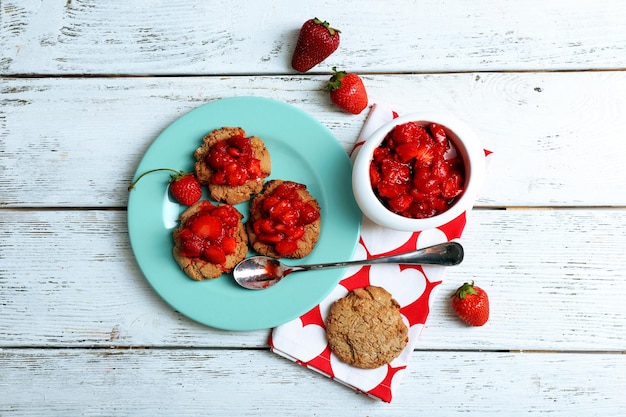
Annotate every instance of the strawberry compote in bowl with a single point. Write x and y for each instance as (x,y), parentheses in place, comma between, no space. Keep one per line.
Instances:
(418,172)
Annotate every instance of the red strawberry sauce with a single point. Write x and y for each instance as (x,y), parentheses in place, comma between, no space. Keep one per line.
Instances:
(209,234)
(233,163)
(411,176)
(283,217)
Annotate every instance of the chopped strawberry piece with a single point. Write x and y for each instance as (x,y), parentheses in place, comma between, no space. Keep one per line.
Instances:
(439,133)
(227,214)
(277,210)
(452,186)
(214,255)
(270,237)
(286,247)
(229,244)
(407,151)
(395,172)
(425,154)
(400,202)
(439,204)
(374,176)
(390,189)
(440,170)
(295,233)
(428,186)
(191,246)
(207,227)
(289,217)
(406,133)
(185,234)
(308,214)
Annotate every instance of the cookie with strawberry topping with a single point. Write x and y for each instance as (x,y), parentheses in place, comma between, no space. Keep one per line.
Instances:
(232,165)
(210,240)
(285,220)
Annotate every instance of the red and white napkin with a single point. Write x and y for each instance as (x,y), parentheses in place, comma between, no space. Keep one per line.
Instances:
(303,340)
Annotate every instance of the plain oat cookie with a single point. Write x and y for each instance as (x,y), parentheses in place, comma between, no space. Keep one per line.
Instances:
(365,328)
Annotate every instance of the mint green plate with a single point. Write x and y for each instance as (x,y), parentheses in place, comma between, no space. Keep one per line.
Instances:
(302,150)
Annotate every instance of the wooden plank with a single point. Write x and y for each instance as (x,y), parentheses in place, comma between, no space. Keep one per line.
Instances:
(549,152)
(82,332)
(94,132)
(178,37)
(255,382)
(541,267)
(555,278)
(70,278)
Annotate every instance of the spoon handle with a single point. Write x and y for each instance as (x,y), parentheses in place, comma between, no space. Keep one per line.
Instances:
(447,254)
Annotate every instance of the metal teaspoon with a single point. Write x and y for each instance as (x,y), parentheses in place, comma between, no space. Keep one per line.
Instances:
(259,272)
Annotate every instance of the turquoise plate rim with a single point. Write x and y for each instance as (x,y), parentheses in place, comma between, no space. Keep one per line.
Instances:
(302,150)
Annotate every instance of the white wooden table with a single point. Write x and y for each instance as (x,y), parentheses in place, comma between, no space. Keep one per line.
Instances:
(88,85)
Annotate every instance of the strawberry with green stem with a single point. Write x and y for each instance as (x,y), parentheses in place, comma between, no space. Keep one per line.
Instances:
(184,186)
(471,304)
(347,91)
(316,41)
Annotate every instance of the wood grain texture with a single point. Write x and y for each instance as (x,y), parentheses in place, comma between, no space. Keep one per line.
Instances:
(191,38)
(86,86)
(555,278)
(79,140)
(210,382)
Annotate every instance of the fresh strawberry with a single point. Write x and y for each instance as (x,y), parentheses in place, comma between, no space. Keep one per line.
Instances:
(347,91)
(471,304)
(317,40)
(184,187)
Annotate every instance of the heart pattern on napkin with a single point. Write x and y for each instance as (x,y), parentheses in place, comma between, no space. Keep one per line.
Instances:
(303,340)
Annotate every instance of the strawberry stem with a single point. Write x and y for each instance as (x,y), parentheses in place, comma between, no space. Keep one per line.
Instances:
(176,174)
(325,24)
(335,81)
(465,290)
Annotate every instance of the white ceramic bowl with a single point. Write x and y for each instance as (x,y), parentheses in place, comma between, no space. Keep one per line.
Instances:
(468,147)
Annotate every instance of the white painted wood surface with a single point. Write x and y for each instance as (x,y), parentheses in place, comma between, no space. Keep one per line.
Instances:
(86,86)
(191,382)
(535,262)
(239,37)
(541,125)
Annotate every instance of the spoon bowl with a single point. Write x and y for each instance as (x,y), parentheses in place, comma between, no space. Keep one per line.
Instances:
(259,272)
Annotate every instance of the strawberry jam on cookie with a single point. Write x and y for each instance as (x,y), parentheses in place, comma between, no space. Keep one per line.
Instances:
(411,173)
(210,240)
(232,165)
(284,220)
(233,162)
